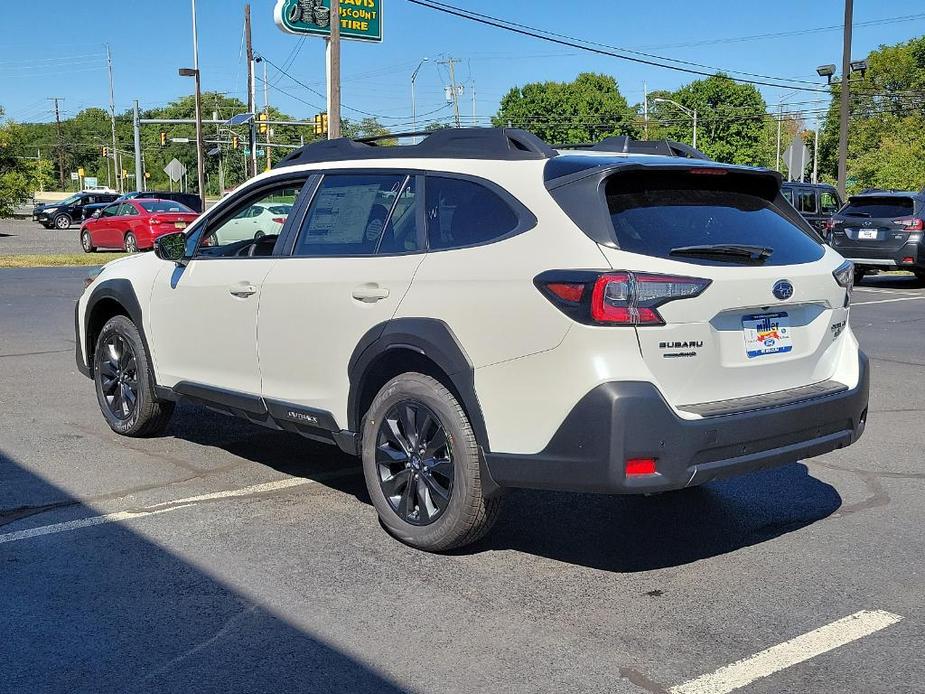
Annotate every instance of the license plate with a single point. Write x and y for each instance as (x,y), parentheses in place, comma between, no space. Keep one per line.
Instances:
(766,333)
(867,233)
(180,225)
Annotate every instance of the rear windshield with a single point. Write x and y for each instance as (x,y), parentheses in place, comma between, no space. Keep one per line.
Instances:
(886,207)
(164,206)
(655,214)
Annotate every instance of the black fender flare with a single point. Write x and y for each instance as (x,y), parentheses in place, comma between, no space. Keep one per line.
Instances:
(427,336)
(121,291)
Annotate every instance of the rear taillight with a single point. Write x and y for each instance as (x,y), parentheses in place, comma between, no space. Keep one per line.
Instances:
(279,220)
(829,224)
(616,298)
(911,224)
(156,220)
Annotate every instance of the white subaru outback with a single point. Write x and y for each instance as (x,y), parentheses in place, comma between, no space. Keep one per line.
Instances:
(479,311)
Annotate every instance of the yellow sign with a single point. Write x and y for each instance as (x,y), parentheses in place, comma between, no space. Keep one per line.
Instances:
(80,172)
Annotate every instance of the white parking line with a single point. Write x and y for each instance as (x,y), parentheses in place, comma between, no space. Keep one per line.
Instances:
(158,508)
(789,653)
(887,301)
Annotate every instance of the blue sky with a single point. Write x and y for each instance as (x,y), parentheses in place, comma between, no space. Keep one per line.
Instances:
(61,51)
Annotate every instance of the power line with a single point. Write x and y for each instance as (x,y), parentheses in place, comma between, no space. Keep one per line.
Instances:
(612,51)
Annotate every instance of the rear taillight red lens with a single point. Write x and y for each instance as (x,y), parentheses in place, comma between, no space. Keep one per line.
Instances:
(829,224)
(156,220)
(616,298)
(279,220)
(640,466)
(911,224)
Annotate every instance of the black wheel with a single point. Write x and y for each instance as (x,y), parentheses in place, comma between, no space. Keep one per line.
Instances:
(131,243)
(859,275)
(259,235)
(87,242)
(124,382)
(62,221)
(421,463)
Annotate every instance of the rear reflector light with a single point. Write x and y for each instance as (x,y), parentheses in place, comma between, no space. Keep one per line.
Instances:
(567,291)
(616,298)
(640,466)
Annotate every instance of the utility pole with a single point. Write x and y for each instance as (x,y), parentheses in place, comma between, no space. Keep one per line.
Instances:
(112,117)
(200,152)
(816,155)
(780,118)
(139,174)
(266,111)
(845,103)
(645,108)
(251,91)
(333,69)
(56,99)
(475,118)
(454,91)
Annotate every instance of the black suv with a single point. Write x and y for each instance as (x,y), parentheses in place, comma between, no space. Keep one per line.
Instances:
(881,230)
(816,202)
(194,202)
(61,215)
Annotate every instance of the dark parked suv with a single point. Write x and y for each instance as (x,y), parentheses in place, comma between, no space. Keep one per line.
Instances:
(816,202)
(61,215)
(194,202)
(881,230)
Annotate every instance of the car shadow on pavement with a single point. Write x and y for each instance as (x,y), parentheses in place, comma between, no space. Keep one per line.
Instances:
(103,609)
(642,533)
(905,281)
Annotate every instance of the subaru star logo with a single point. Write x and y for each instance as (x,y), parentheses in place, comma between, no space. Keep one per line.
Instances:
(868,223)
(783,290)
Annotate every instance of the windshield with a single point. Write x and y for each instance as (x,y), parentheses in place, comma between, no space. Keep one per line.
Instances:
(164,206)
(67,201)
(881,207)
(664,216)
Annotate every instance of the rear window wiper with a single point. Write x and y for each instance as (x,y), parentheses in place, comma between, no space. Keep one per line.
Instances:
(720,250)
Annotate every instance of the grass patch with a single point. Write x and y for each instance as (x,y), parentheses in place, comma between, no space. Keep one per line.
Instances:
(58,259)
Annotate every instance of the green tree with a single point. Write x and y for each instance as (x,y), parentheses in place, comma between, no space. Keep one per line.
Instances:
(585,110)
(20,175)
(887,121)
(731,119)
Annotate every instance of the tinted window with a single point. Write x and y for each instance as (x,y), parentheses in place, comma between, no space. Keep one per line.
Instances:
(348,214)
(164,206)
(807,201)
(464,213)
(828,202)
(127,209)
(879,207)
(661,213)
(110,211)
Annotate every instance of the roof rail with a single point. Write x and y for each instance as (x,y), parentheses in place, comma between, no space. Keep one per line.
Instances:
(510,144)
(627,145)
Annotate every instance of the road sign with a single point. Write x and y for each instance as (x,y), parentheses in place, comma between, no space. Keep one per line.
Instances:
(359,19)
(75,176)
(179,140)
(91,182)
(175,170)
(797,157)
(80,171)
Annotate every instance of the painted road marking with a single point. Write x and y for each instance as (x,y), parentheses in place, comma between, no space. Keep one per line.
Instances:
(789,653)
(887,301)
(164,507)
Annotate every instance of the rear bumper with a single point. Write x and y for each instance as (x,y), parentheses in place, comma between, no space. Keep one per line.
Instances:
(621,420)
(886,259)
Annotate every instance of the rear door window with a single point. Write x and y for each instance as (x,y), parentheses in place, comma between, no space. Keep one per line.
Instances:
(653,214)
(879,208)
(807,201)
(828,202)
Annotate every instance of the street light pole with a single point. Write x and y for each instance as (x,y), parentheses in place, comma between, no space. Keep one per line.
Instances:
(845,103)
(200,154)
(414,76)
(691,112)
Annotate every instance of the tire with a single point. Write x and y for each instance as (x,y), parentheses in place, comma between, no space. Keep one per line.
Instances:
(121,366)
(412,512)
(130,243)
(62,222)
(259,235)
(87,242)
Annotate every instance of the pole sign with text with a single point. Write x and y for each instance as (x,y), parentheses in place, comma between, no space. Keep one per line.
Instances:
(359,19)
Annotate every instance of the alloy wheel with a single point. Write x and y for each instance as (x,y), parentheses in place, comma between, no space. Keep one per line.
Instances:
(62,222)
(414,460)
(119,376)
(86,242)
(131,245)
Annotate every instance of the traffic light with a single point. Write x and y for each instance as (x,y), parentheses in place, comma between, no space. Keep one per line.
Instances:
(105,152)
(262,119)
(321,124)
(234,142)
(163,139)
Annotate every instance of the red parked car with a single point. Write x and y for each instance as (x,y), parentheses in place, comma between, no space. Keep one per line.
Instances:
(133,225)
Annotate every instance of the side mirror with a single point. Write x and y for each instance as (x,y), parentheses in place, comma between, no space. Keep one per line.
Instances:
(171,247)
(96,215)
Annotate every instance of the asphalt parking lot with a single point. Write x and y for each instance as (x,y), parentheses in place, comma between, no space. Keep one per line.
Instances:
(25,237)
(224,557)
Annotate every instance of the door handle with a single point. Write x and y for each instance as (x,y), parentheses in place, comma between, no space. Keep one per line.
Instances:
(370,293)
(242,290)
